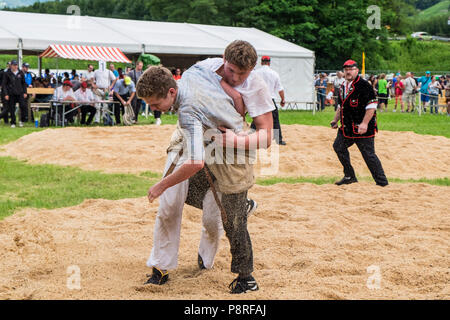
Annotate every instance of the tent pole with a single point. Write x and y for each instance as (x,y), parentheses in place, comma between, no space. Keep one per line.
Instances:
(20,53)
(39,66)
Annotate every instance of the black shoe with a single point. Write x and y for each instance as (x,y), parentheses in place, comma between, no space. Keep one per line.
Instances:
(243,285)
(346,180)
(158,277)
(251,206)
(382,184)
(200,262)
(282,143)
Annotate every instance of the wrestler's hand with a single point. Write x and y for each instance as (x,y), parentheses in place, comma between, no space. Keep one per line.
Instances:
(362,128)
(155,191)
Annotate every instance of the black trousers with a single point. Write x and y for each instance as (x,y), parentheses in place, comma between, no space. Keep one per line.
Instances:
(278,136)
(367,148)
(85,109)
(11,108)
(4,107)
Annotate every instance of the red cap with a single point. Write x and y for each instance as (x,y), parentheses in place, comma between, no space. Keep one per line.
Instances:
(84,84)
(265,58)
(350,63)
(67,83)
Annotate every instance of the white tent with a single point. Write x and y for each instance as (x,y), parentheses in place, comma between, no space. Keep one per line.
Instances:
(31,33)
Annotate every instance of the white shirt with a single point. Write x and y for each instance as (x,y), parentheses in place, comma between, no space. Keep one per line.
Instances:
(272,79)
(254,90)
(84,96)
(90,75)
(337,82)
(60,94)
(104,78)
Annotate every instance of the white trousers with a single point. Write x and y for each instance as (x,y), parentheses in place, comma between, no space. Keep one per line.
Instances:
(166,237)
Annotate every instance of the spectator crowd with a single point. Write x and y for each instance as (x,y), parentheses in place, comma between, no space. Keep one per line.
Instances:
(94,95)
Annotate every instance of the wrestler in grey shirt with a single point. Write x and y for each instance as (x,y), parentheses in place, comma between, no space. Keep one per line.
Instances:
(202,104)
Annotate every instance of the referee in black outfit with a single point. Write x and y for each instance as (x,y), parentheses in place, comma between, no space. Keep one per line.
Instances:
(357,113)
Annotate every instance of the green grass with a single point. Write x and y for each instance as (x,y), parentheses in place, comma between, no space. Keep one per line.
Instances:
(48,186)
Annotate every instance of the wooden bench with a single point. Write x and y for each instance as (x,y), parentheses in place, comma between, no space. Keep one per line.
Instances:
(38,105)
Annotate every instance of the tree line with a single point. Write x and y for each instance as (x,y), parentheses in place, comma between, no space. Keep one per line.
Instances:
(334,29)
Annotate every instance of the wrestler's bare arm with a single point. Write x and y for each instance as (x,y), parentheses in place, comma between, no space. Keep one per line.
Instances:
(261,138)
(187,170)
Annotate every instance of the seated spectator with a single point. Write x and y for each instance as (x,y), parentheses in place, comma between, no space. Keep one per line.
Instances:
(85,95)
(64,93)
(124,92)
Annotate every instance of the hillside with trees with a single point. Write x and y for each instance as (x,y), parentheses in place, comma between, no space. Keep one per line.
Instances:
(334,29)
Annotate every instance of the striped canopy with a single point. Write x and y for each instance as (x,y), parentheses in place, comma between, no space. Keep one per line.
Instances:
(92,53)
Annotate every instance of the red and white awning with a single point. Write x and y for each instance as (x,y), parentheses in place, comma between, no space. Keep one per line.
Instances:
(92,53)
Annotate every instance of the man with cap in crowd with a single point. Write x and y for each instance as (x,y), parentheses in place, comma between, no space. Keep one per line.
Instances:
(15,90)
(357,113)
(272,79)
(124,92)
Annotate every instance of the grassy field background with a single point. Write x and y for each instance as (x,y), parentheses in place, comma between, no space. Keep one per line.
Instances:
(24,185)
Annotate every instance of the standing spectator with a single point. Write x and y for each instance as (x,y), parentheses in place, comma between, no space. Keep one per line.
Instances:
(337,82)
(120,71)
(90,72)
(15,92)
(321,87)
(135,75)
(84,94)
(383,92)
(29,82)
(113,70)
(177,75)
(409,95)
(4,102)
(399,87)
(73,74)
(105,81)
(423,83)
(272,80)
(433,92)
(124,92)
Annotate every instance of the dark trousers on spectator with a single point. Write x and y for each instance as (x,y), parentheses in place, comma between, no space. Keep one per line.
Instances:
(4,107)
(367,148)
(137,103)
(120,108)
(85,109)
(320,101)
(276,124)
(11,108)
(157,114)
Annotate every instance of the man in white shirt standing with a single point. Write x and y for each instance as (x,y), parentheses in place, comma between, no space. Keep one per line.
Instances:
(272,79)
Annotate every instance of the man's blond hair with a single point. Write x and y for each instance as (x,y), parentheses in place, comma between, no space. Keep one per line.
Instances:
(155,82)
(242,54)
